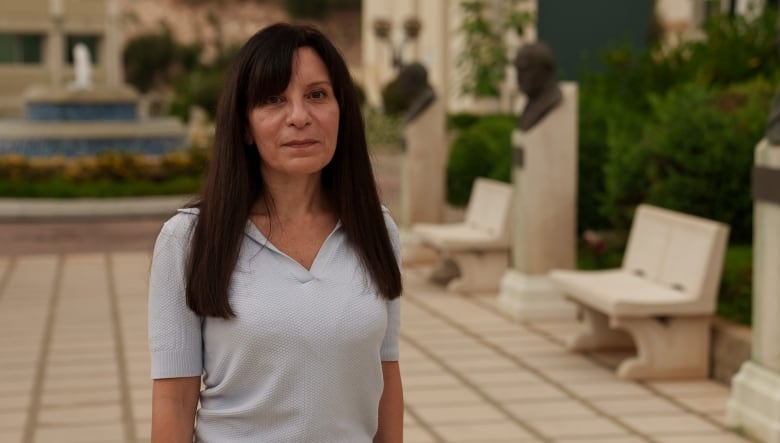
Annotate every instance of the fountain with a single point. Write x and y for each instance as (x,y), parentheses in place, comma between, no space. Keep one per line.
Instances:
(82,118)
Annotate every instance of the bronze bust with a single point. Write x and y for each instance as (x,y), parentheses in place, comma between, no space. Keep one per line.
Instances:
(413,84)
(535,68)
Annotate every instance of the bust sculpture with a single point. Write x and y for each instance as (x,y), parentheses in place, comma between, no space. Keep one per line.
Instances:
(773,124)
(413,84)
(535,68)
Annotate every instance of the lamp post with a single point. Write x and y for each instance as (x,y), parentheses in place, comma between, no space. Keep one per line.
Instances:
(382,31)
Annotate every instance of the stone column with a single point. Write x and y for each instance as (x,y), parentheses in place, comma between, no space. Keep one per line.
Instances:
(112,55)
(56,44)
(754,405)
(545,213)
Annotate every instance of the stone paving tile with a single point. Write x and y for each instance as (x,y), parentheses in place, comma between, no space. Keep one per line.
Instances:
(418,367)
(413,382)
(670,424)
(708,404)
(690,388)
(551,409)
(80,397)
(590,427)
(444,397)
(454,414)
(584,373)
(470,373)
(608,389)
(559,359)
(500,431)
(529,392)
(602,440)
(14,402)
(471,352)
(12,420)
(718,437)
(489,364)
(143,429)
(624,407)
(503,378)
(102,433)
(82,415)
(11,435)
(415,434)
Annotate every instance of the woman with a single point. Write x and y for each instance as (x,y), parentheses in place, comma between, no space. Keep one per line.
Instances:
(278,289)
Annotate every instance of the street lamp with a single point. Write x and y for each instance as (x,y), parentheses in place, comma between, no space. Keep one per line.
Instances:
(383,28)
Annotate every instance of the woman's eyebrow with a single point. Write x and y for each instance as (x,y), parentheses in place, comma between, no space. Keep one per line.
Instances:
(319,83)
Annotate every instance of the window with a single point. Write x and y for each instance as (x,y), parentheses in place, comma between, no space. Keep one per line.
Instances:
(20,48)
(91,41)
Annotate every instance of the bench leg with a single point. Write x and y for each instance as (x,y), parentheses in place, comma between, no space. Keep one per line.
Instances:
(479,271)
(667,348)
(598,334)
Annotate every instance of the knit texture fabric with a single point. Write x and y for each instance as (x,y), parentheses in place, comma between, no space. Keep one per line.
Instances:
(301,362)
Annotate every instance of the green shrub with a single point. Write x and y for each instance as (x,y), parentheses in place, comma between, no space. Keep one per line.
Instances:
(382,130)
(735,299)
(694,155)
(107,174)
(361,93)
(198,88)
(318,8)
(156,59)
(615,104)
(307,8)
(484,149)
(461,120)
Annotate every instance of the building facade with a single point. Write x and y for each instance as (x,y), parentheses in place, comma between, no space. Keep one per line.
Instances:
(37,38)
(440,42)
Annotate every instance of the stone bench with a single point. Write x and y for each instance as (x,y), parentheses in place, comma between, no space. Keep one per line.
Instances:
(479,246)
(662,298)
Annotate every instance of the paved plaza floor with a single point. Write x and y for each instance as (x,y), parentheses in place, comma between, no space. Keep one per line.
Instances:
(75,366)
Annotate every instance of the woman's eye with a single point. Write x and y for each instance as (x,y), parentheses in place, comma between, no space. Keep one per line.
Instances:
(318,95)
(273,100)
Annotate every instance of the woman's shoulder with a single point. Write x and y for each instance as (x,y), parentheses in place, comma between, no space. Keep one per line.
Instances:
(389,221)
(180,224)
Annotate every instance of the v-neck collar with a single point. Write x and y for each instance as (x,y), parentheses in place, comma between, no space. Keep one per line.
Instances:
(298,270)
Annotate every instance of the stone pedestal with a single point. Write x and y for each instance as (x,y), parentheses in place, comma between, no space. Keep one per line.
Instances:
(423,169)
(533,297)
(545,222)
(754,405)
(422,180)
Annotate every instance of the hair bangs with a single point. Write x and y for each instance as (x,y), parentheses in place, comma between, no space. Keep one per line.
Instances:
(270,70)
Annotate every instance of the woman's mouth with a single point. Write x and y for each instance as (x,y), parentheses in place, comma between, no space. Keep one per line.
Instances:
(302,143)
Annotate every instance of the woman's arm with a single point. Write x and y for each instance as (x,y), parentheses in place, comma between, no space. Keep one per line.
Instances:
(174,401)
(391,406)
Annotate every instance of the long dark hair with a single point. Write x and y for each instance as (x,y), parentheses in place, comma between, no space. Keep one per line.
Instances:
(263,68)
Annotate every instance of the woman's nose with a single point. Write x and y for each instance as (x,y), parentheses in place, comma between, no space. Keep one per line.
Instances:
(299,115)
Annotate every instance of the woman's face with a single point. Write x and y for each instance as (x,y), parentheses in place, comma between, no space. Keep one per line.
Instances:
(296,131)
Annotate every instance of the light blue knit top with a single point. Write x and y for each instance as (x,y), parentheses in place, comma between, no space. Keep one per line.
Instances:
(301,362)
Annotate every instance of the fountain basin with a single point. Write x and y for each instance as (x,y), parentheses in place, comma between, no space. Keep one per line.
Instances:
(86,122)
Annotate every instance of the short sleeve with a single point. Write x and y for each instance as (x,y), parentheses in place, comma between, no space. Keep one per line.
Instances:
(175,342)
(389,350)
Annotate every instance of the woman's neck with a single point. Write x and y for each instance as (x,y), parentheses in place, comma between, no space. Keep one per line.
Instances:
(292,198)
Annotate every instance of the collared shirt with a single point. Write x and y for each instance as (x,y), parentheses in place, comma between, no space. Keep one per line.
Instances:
(300,362)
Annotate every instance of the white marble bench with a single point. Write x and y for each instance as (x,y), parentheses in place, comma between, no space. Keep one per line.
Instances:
(480,245)
(661,299)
